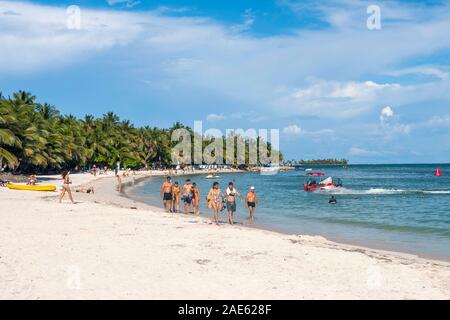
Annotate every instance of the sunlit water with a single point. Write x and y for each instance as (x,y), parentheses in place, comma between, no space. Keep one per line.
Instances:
(395,207)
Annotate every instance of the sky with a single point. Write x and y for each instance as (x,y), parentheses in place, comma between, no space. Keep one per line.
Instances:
(333,85)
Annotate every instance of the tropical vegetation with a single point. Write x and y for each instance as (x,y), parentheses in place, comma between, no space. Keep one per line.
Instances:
(36,137)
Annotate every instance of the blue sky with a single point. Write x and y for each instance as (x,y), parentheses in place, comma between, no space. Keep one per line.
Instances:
(313,69)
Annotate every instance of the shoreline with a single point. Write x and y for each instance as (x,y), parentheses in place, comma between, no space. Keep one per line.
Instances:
(280,230)
(153,255)
(133,200)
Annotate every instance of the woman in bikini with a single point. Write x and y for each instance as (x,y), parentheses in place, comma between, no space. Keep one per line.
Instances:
(214,201)
(196,198)
(176,197)
(66,187)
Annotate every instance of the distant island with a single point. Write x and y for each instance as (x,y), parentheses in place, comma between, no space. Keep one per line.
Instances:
(334,162)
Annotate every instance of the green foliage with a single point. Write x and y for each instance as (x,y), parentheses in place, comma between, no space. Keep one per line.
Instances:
(341,162)
(36,137)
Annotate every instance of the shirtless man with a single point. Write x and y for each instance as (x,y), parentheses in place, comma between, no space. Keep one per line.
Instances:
(250,202)
(176,193)
(196,198)
(230,196)
(187,196)
(166,194)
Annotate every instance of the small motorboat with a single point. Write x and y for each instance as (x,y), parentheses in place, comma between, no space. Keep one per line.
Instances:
(329,183)
(212,176)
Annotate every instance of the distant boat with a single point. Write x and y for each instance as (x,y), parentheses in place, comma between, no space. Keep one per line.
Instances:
(212,176)
(269,169)
(438,173)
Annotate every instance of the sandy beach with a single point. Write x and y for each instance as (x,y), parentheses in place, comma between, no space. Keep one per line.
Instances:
(108,246)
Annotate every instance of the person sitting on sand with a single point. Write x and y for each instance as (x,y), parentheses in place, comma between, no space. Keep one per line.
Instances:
(85,190)
(32,180)
(166,194)
(187,196)
(66,187)
(214,200)
(251,201)
(176,194)
(195,198)
(230,196)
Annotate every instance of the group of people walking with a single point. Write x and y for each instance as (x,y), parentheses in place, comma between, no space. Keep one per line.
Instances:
(189,194)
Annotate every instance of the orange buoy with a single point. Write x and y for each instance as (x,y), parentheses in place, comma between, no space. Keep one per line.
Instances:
(438,173)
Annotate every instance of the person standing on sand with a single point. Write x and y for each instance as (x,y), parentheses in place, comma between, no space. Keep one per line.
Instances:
(196,198)
(66,187)
(250,202)
(214,201)
(166,194)
(187,196)
(176,197)
(230,196)
(119,182)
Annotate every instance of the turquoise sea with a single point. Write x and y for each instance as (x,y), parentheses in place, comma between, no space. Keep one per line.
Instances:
(395,207)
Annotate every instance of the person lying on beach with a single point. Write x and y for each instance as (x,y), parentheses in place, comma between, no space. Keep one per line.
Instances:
(251,201)
(176,194)
(214,200)
(195,198)
(230,196)
(66,187)
(187,196)
(166,194)
(32,180)
(85,190)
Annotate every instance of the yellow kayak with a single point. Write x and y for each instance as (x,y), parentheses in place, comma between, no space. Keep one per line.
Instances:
(31,188)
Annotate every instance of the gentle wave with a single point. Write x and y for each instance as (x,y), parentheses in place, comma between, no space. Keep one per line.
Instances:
(382,191)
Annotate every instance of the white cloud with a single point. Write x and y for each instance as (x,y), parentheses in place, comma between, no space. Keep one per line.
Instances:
(272,73)
(292,130)
(437,72)
(335,99)
(37,37)
(438,121)
(360,152)
(128,3)
(391,125)
(249,19)
(386,112)
(250,116)
(215,117)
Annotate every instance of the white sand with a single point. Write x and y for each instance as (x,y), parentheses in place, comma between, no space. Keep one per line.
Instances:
(99,248)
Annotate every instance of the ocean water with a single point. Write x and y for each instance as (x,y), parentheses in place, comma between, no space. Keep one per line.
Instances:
(393,207)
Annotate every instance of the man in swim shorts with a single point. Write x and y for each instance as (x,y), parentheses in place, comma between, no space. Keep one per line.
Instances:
(187,196)
(251,201)
(230,196)
(166,194)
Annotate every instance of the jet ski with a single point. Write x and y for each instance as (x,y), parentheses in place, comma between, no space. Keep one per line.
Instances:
(311,184)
